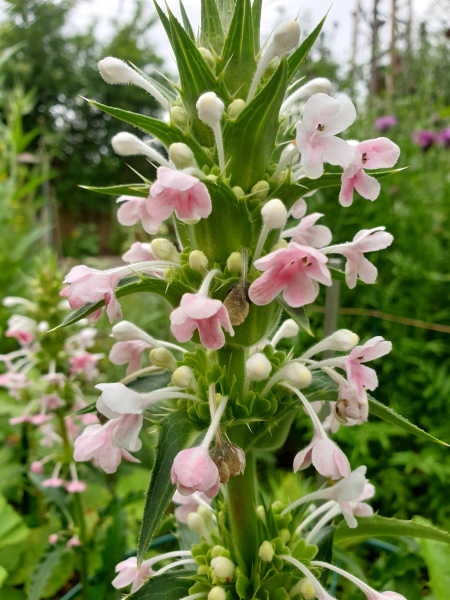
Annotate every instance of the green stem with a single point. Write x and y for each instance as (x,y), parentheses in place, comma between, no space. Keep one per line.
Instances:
(79,517)
(67,448)
(242,502)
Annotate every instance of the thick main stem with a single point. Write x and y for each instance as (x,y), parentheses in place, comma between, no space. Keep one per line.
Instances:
(242,503)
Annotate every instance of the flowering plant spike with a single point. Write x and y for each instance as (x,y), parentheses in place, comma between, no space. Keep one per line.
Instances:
(242,151)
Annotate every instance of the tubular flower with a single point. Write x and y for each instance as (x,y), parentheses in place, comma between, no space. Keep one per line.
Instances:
(139,252)
(358,374)
(307,233)
(379,153)
(295,271)
(130,353)
(134,209)
(322,119)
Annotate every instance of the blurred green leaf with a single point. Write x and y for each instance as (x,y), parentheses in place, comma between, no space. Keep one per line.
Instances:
(131,189)
(437,559)
(12,528)
(212,32)
(256,18)
(168,586)
(44,569)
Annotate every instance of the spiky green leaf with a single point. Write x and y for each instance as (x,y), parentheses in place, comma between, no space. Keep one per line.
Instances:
(44,570)
(186,22)
(226,10)
(298,314)
(212,32)
(256,18)
(130,189)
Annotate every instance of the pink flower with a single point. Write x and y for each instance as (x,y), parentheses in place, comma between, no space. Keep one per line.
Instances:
(37,467)
(425,139)
(366,240)
(197,311)
(129,352)
(92,285)
(179,192)
(134,209)
(325,456)
(76,487)
(85,362)
(22,328)
(298,209)
(128,573)
(358,374)
(52,401)
(53,482)
(97,442)
(385,122)
(37,420)
(307,233)
(194,471)
(74,541)
(295,271)
(52,538)
(324,117)
(444,137)
(139,252)
(188,504)
(372,154)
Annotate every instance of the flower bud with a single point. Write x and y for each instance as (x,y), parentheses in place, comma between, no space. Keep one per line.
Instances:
(271,68)
(165,250)
(206,515)
(319,85)
(297,375)
(179,117)
(260,190)
(208,57)
(210,108)
(281,244)
(229,460)
(285,535)
(217,593)
(37,467)
(223,567)
(53,538)
(203,570)
(234,263)
(288,329)
(161,357)
(342,340)
(126,331)
(181,156)
(261,513)
(238,191)
(236,107)
(198,261)
(258,367)
(305,588)
(217,551)
(285,37)
(266,551)
(274,214)
(127,144)
(197,524)
(183,377)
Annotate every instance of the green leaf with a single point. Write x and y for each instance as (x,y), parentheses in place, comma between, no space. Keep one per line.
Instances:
(226,10)
(298,314)
(168,586)
(165,133)
(150,383)
(299,55)
(170,291)
(437,559)
(376,526)
(212,32)
(44,570)
(256,18)
(3,575)
(249,139)
(238,56)
(12,529)
(176,434)
(131,189)
(186,22)
(387,414)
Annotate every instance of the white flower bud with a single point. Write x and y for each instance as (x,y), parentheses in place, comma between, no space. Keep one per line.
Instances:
(210,108)
(125,331)
(208,57)
(183,377)
(181,156)
(266,551)
(217,593)
(10,301)
(179,117)
(197,524)
(319,85)
(305,588)
(287,330)
(234,263)
(236,107)
(165,250)
(206,515)
(258,367)
(274,214)
(297,375)
(285,37)
(342,340)
(43,327)
(223,567)
(260,190)
(161,357)
(127,144)
(198,260)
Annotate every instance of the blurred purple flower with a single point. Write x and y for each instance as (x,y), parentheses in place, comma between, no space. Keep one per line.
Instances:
(425,139)
(444,137)
(384,123)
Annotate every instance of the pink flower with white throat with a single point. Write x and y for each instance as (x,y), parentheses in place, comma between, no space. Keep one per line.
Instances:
(360,376)
(366,240)
(307,233)
(379,153)
(130,353)
(134,209)
(324,117)
(198,311)
(22,328)
(296,271)
(177,191)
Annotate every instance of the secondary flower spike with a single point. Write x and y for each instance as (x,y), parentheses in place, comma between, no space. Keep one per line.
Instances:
(322,119)
(380,153)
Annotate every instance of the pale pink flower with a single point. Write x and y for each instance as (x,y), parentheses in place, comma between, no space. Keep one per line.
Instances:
(379,153)
(92,285)
(295,271)
(349,406)
(36,420)
(188,504)
(53,482)
(325,456)
(197,311)
(72,427)
(49,435)
(86,363)
(14,382)
(81,340)
(360,376)
(53,378)
(366,240)
(74,541)
(76,487)
(96,442)
(22,328)
(194,471)
(133,210)
(128,573)
(52,401)
(139,252)
(298,209)
(129,352)
(307,233)
(88,418)
(324,117)
(53,538)
(37,467)
(177,191)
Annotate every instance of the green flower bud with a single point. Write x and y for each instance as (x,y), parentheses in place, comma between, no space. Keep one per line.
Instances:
(198,261)
(216,551)
(161,357)
(234,263)
(260,190)
(181,156)
(211,177)
(208,57)
(238,191)
(261,513)
(305,588)
(285,535)
(206,515)
(223,567)
(165,250)
(217,593)
(266,551)
(183,377)
(197,524)
(236,107)
(179,117)
(277,507)
(281,244)
(271,68)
